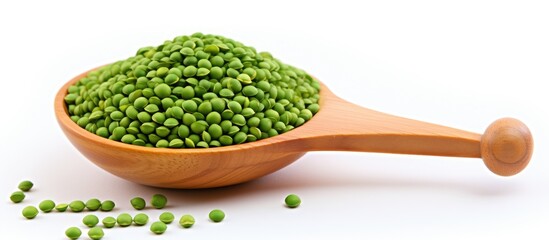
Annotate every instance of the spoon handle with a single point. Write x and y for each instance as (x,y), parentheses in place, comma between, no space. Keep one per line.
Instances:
(505,147)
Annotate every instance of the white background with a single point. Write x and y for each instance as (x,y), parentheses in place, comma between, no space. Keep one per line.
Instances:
(457,63)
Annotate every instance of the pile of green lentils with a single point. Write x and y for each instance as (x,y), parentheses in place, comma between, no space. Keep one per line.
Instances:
(195,91)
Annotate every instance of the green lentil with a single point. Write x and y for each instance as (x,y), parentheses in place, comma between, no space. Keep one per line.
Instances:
(166,217)
(96,233)
(29,212)
(140,219)
(186,221)
(292,201)
(159,201)
(17,197)
(25,186)
(216,215)
(107,205)
(93,204)
(46,206)
(124,220)
(61,207)
(77,206)
(109,222)
(138,203)
(190,85)
(73,233)
(90,220)
(158,227)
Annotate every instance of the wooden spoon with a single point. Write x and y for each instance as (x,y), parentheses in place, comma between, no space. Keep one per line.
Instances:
(505,147)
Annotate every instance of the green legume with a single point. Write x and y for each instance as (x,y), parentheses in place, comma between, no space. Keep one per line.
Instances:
(292,201)
(73,233)
(124,220)
(107,205)
(186,221)
(138,203)
(25,186)
(17,197)
(90,220)
(77,206)
(46,206)
(96,233)
(158,227)
(178,94)
(162,90)
(159,201)
(61,207)
(216,215)
(140,219)
(109,222)
(93,204)
(244,78)
(30,212)
(166,217)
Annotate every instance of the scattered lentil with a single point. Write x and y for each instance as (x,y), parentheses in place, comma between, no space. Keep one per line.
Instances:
(73,233)
(96,233)
(159,201)
(109,222)
(17,197)
(77,206)
(30,212)
(107,205)
(25,186)
(61,207)
(216,215)
(138,203)
(46,206)
(166,217)
(186,221)
(93,204)
(140,219)
(292,201)
(90,220)
(158,227)
(124,220)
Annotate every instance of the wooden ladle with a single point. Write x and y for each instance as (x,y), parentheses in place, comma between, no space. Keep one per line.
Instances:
(505,147)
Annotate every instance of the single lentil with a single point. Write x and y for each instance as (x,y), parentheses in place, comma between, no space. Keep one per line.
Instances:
(166,217)
(93,204)
(186,221)
(25,186)
(158,227)
(46,206)
(77,206)
(96,233)
(140,219)
(159,201)
(192,84)
(107,205)
(61,207)
(138,203)
(30,212)
(73,233)
(90,220)
(292,201)
(216,215)
(109,222)
(124,220)
(17,196)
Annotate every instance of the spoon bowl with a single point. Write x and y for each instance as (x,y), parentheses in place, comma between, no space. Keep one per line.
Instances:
(506,146)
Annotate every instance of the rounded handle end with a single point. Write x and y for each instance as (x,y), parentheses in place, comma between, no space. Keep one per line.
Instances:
(506,146)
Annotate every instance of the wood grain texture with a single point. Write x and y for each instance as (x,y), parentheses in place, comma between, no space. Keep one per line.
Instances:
(507,146)
(338,126)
